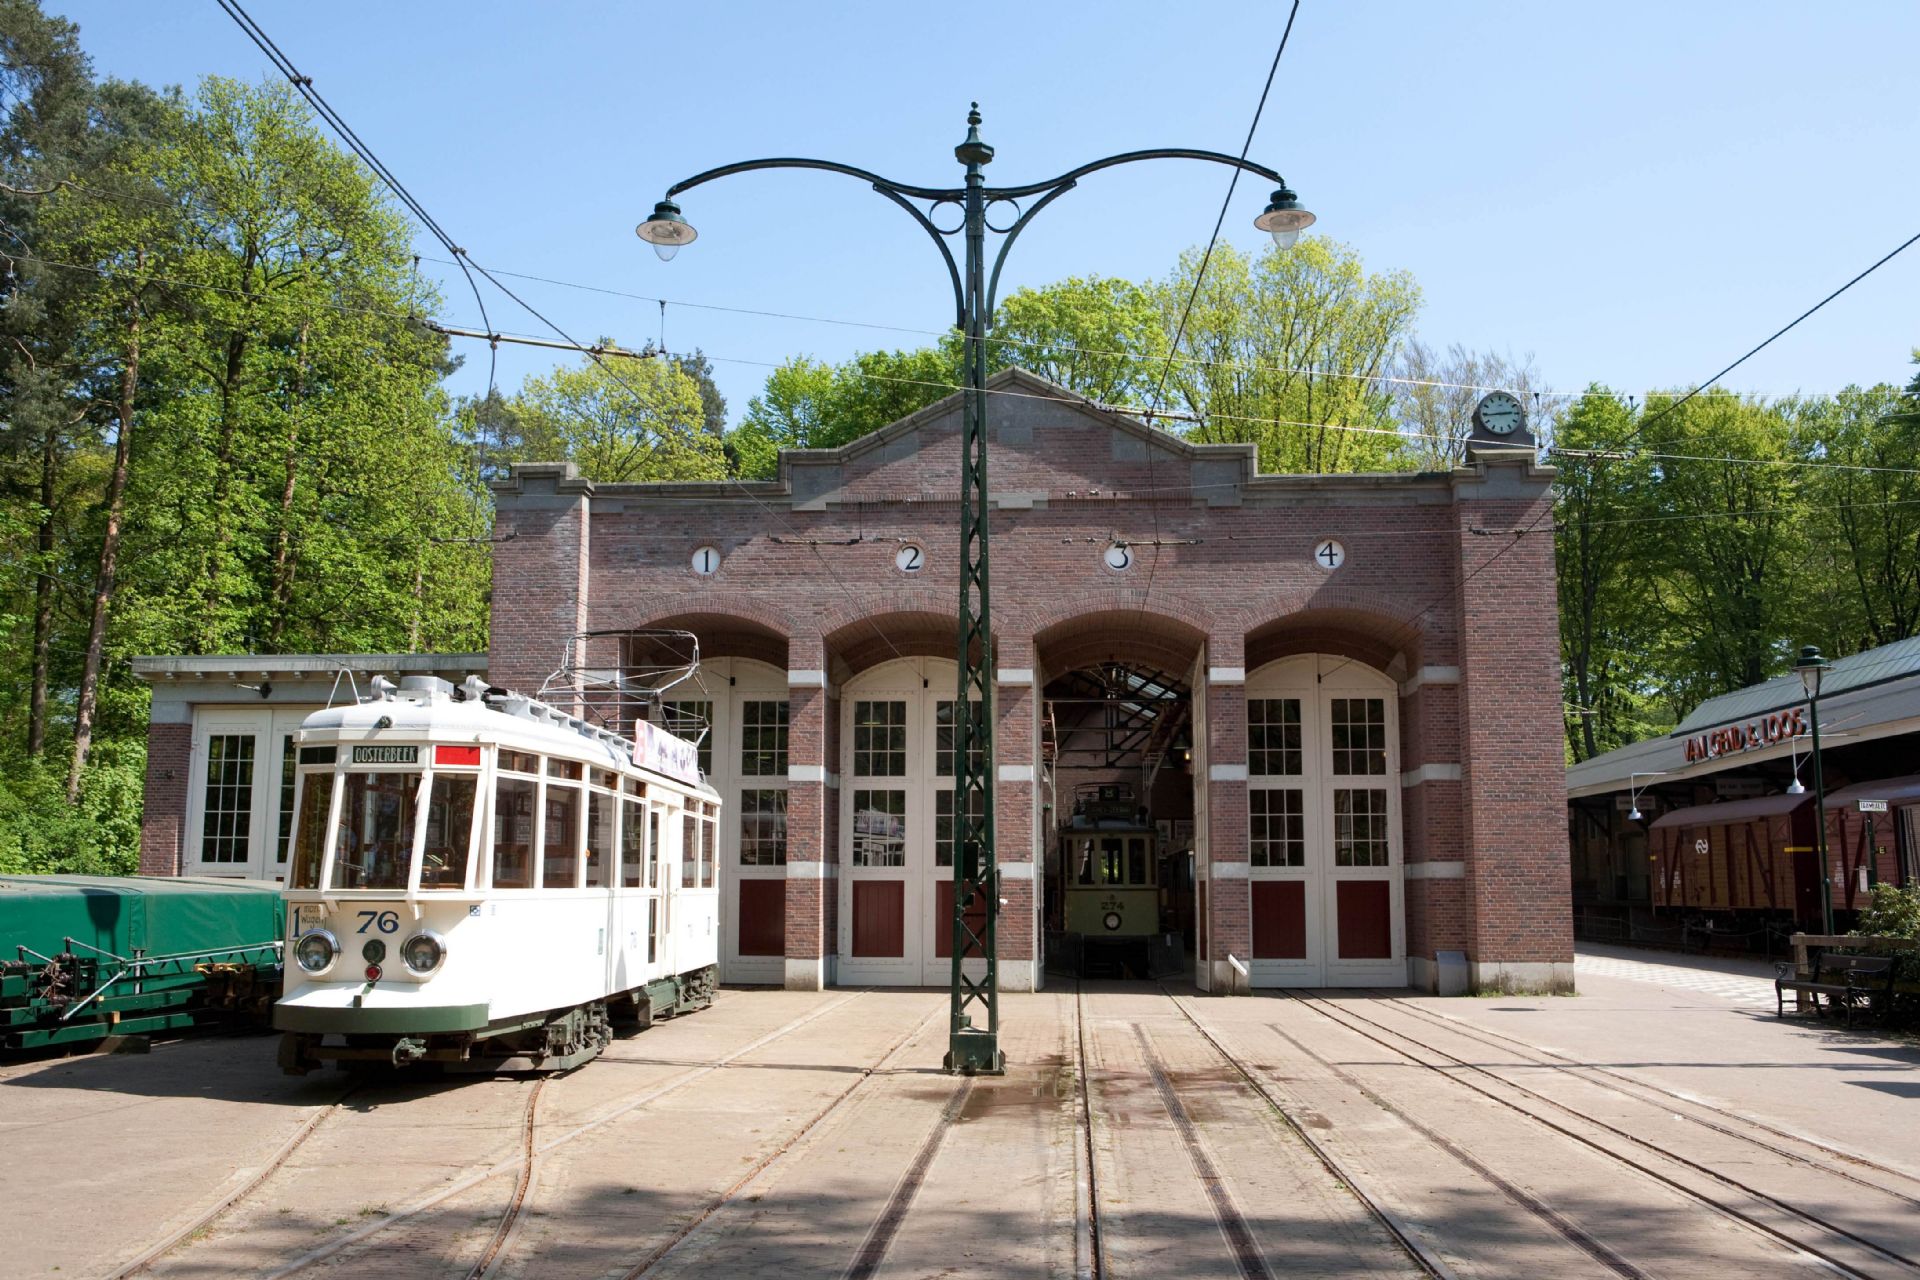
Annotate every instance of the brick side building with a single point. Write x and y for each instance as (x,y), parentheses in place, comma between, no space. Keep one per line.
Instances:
(1359,743)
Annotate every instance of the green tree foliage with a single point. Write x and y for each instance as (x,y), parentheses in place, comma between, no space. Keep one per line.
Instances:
(1098,336)
(220,430)
(811,405)
(617,420)
(1606,630)
(1283,348)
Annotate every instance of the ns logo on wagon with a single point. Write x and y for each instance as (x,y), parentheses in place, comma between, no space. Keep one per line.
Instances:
(1754,734)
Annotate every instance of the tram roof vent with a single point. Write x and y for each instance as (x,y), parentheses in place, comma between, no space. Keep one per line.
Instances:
(427,688)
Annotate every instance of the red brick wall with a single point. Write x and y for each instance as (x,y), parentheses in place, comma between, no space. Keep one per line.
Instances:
(1232,568)
(163,821)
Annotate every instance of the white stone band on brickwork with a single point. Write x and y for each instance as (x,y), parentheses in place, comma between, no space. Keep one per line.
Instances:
(1430,773)
(809,870)
(1016,870)
(1016,773)
(1429,675)
(807,679)
(1226,675)
(1228,870)
(1014,675)
(1436,871)
(1226,773)
(806,773)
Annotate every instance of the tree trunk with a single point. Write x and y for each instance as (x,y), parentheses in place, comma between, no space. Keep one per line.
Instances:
(103,583)
(281,595)
(42,601)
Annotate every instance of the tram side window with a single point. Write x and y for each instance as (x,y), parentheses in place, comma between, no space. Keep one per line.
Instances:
(709,845)
(689,850)
(653,849)
(513,802)
(375,840)
(310,831)
(443,858)
(1137,860)
(653,929)
(560,845)
(600,808)
(632,856)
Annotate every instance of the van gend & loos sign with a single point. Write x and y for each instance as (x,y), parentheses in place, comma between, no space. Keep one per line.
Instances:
(1754,734)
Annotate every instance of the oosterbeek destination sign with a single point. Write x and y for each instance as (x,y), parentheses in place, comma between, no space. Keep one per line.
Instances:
(1764,732)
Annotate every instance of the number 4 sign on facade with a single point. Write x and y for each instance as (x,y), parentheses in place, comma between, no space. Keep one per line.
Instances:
(1329,555)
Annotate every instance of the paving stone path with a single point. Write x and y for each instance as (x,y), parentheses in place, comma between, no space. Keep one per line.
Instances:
(1744,982)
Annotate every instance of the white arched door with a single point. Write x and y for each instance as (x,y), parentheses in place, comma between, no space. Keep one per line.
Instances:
(1323,815)
(896,829)
(744,756)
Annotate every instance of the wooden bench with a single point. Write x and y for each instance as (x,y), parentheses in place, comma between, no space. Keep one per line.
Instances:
(1847,982)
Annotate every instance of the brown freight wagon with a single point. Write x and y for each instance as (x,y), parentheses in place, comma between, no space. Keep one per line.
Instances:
(1872,847)
(1751,857)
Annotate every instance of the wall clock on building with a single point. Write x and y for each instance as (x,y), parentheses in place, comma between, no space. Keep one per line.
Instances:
(910,558)
(1118,557)
(706,561)
(1500,415)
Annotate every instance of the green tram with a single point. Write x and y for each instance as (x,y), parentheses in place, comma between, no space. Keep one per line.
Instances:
(1109,874)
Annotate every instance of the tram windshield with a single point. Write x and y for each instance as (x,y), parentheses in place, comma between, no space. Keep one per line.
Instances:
(1112,860)
(378,818)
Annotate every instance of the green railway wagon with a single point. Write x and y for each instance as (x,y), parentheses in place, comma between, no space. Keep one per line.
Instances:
(84,957)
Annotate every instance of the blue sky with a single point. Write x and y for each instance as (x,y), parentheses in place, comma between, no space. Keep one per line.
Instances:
(1632,193)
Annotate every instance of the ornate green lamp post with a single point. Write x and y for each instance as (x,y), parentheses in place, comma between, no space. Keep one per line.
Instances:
(974,1049)
(1812,668)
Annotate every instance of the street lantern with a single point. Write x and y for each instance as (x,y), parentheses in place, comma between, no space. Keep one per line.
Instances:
(1283,217)
(974,1049)
(1812,669)
(666,230)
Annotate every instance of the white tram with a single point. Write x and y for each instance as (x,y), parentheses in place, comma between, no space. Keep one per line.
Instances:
(481,880)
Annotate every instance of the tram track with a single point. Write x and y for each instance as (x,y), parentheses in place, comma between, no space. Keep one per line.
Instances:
(219,1208)
(510,1220)
(1089,1258)
(1628,1086)
(529,1148)
(742,1186)
(1398,1229)
(1385,1037)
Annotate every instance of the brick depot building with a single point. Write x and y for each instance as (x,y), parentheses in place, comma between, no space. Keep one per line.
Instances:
(1122,560)
(1351,752)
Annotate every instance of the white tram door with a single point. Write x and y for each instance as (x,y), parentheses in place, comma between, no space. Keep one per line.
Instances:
(664,829)
(630,891)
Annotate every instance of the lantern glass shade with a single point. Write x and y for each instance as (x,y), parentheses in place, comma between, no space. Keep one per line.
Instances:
(1284,219)
(666,230)
(1795,788)
(1811,668)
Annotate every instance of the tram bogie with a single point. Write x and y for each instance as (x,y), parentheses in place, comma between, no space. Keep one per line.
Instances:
(485,882)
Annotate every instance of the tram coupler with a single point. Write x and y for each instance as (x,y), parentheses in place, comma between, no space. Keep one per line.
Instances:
(296,1056)
(408,1050)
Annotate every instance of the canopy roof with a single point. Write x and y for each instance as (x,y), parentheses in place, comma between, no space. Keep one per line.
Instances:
(1716,815)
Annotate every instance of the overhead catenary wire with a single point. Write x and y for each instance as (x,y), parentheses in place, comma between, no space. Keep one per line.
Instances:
(1599,385)
(304,85)
(1199,277)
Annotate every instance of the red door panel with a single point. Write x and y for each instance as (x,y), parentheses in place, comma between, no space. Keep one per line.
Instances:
(879,918)
(1364,909)
(1279,920)
(943,917)
(763,917)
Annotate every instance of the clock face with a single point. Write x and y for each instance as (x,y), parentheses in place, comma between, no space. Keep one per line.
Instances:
(1500,414)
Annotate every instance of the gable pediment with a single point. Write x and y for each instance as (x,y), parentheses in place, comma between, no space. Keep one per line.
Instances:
(1042,440)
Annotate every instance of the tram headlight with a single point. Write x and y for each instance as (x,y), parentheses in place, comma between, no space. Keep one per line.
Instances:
(316,951)
(424,952)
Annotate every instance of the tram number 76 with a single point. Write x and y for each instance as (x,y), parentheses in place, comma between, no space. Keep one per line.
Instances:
(388,921)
